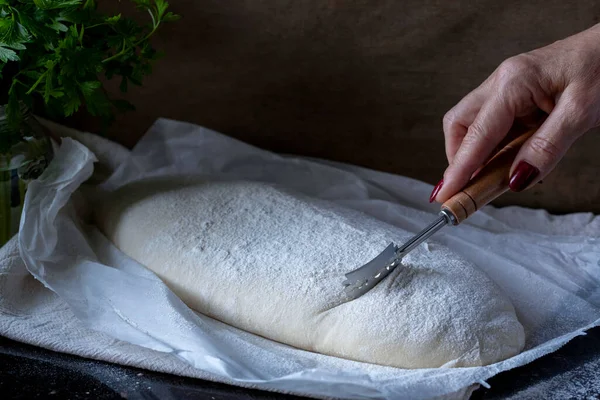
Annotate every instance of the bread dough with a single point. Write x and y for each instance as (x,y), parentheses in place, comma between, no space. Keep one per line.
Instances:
(272,262)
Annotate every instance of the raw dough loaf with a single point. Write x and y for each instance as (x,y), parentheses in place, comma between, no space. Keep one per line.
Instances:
(272,262)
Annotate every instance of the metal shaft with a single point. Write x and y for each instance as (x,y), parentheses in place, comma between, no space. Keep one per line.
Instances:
(443,220)
(361,280)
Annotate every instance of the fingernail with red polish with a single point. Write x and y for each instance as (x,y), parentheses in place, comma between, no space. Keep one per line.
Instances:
(435,191)
(522,177)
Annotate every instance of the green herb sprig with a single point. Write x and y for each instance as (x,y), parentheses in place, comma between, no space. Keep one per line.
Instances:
(59,50)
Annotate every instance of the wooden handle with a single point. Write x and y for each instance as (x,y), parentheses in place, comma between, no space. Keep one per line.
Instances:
(488,184)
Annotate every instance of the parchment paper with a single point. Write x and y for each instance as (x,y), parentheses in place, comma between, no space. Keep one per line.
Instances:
(548,266)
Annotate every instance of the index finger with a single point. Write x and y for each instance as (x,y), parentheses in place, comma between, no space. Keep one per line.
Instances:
(457,121)
(485,133)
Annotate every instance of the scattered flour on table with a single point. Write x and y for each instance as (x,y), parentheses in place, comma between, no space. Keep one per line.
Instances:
(580,383)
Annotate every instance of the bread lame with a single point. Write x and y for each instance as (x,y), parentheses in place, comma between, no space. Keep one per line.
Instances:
(491,182)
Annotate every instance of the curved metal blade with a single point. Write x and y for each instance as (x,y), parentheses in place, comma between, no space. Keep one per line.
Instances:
(361,280)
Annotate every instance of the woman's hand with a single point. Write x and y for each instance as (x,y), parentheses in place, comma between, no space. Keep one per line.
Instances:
(562,80)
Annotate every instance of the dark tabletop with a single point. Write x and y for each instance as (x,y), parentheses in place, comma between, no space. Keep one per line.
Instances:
(27,372)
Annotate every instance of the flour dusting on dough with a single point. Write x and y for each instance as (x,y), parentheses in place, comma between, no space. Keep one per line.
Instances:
(272,263)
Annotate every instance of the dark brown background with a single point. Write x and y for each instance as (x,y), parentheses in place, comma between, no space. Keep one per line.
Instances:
(364,82)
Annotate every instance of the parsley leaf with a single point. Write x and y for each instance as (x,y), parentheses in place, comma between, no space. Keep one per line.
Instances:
(54,4)
(13,34)
(64,49)
(7,55)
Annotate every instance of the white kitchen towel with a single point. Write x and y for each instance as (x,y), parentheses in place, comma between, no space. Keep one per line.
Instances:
(547,265)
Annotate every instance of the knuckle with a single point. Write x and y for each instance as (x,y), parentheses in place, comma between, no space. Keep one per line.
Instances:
(545,147)
(578,111)
(475,133)
(449,120)
(464,164)
(515,68)
(449,117)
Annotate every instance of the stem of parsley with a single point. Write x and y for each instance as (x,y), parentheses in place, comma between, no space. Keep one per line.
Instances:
(35,85)
(136,44)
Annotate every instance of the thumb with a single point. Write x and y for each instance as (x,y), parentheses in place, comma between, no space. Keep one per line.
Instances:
(542,151)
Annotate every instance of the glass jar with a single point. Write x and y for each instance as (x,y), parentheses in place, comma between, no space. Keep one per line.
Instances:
(25,152)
